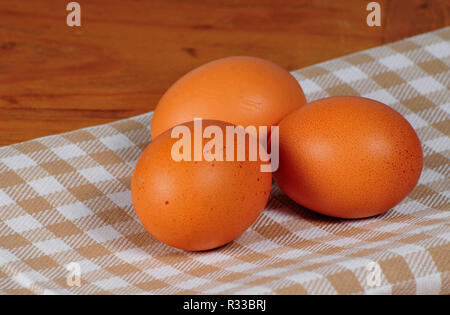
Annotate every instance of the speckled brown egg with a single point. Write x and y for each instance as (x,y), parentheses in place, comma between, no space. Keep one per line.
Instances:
(197,205)
(348,157)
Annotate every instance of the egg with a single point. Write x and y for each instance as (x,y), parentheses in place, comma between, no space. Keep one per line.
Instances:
(194,202)
(246,91)
(348,157)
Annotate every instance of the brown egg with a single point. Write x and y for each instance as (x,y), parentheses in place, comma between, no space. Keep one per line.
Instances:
(348,157)
(241,90)
(197,205)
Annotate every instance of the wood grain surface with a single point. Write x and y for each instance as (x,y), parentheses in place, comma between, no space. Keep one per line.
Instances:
(55,78)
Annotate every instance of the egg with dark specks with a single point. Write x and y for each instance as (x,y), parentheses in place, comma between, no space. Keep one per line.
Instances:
(198,205)
(348,157)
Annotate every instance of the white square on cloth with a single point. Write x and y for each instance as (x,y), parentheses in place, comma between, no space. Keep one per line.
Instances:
(86,266)
(439,144)
(255,290)
(46,186)
(305,276)
(17,162)
(396,61)
(439,50)
(350,74)
(309,86)
(74,211)
(104,234)
(133,255)
(241,267)
(52,246)
(426,85)
(381,96)
(23,223)
(162,272)
(6,257)
(112,283)
(96,174)
(4,199)
(68,151)
(117,142)
(122,199)
(192,283)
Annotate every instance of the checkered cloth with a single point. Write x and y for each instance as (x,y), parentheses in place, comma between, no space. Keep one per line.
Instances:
(65,201)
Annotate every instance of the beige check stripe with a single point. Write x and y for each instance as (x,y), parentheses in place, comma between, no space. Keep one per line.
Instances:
(66,199)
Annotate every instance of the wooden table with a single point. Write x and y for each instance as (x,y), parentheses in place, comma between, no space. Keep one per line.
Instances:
(55,78)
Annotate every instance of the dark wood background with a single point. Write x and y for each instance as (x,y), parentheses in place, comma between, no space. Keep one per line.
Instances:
(55,78)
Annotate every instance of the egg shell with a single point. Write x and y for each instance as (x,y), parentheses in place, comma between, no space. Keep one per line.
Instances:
(241,90)
(348,157)
(197,205)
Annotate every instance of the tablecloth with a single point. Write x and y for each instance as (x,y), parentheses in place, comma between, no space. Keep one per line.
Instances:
(66,212)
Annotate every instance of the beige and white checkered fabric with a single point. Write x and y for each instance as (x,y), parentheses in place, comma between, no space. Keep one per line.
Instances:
(66,199)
